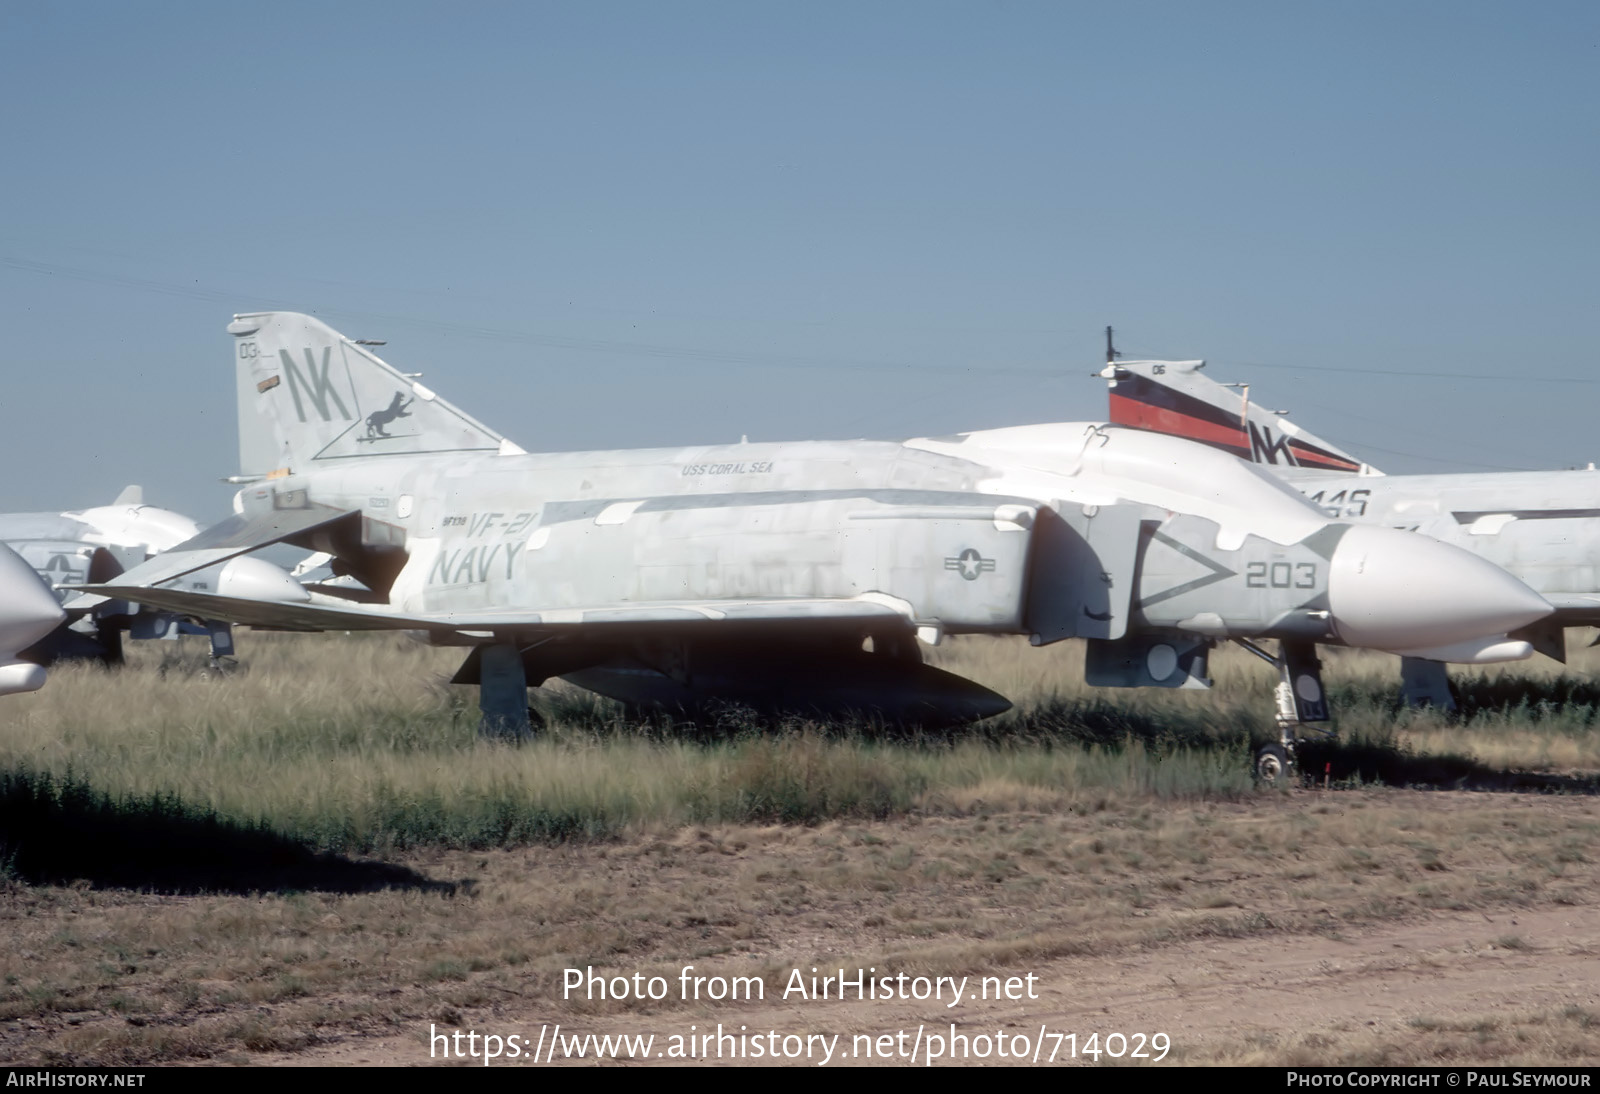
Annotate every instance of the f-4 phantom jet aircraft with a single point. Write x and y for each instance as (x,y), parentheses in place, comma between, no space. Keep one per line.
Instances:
(795,575)
(1541,526)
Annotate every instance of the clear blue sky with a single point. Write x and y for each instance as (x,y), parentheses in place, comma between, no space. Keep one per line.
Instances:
(608,225)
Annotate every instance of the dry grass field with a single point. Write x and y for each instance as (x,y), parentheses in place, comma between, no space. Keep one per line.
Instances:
(317,860)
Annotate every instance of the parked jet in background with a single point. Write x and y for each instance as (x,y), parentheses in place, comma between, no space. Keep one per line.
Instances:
(797,575)
(1541,526)
(28,612)
(92,545)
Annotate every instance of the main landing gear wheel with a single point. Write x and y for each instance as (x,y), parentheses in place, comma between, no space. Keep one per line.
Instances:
(1272,764)
(218,668)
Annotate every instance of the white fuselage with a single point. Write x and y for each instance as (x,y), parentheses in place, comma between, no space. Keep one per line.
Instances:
(1541,526)
(942,526)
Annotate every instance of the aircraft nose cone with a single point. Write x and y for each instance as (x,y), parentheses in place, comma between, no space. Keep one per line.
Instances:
(1394,590)
(28,609)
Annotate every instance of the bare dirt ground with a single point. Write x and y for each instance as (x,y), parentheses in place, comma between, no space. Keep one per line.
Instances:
(1377,996)
(1346,927)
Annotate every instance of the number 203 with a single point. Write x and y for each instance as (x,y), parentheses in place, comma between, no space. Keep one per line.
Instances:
(1281,575)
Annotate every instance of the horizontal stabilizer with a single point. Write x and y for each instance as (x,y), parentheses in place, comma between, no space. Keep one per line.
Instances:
(235,536)
(249,533)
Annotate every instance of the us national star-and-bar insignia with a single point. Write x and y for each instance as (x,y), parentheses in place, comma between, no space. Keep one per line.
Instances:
(970,563)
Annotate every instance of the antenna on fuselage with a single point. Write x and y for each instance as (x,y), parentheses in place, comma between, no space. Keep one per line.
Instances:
(1112,353)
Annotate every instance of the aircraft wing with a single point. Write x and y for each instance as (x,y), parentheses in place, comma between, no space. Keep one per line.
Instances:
(306,616)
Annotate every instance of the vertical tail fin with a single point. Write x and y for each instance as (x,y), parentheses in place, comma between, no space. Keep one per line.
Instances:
(1172,397)
(307,393)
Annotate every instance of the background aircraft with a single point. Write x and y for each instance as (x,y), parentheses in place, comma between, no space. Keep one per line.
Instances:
(797,575)
(1541,526)
(91,545)
(28,612)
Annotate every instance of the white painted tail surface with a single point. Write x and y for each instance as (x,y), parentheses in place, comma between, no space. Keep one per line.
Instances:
(307,394)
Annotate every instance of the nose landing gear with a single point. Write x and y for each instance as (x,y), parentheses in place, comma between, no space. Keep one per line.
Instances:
(1301,702)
